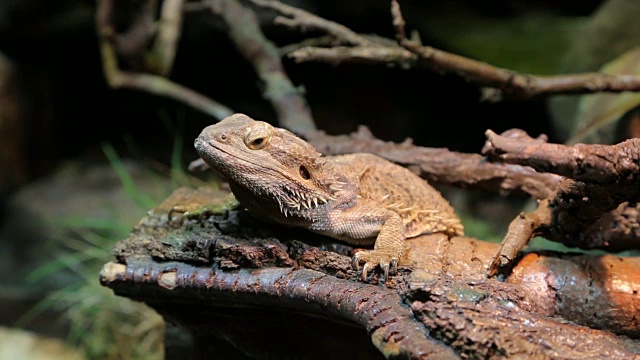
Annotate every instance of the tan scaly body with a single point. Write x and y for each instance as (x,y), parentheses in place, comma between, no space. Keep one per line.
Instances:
(361,199)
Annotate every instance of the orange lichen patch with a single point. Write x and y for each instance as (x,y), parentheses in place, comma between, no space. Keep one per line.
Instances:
(620,283)
(598,291)
(532,272)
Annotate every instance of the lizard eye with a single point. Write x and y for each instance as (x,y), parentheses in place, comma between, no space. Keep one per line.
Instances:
(304,172)
(257,143)
(257,139)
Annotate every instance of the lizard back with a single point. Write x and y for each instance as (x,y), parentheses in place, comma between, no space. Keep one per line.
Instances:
(422,208)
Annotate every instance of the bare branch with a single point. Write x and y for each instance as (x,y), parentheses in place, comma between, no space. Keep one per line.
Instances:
(132,44)
(497,82)
(444,308)
(394,56)
(305,21)
(443,166)
(508,81)
(597,163)
(521,230)
(168,35)
(291,107)
(153,84)
(600,178)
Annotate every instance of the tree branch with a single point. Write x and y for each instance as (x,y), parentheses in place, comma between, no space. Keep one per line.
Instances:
(498,82)
(290,106)
(306,21)
(394,56)
(153,84)
(597,163)
(443,166)
(168,36)
(508,81)
(600,179)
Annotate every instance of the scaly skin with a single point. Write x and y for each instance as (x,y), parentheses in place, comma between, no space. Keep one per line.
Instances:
(360,199)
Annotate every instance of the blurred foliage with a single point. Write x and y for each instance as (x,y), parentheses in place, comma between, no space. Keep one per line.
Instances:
(20,344)
(599,116)
(530,43)
(540,243)
(480,229)
(103,325)
(609,32)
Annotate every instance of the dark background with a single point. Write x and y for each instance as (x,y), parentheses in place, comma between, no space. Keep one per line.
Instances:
(69,108)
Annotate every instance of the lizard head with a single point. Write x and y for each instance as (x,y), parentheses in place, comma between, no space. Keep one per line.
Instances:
(268,162)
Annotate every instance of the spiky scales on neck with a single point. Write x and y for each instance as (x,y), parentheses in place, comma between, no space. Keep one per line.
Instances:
(272,163)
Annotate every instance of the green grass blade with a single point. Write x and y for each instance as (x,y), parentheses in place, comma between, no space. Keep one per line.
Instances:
(125,178)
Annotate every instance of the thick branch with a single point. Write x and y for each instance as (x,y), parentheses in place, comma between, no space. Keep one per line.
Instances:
(290,106)
(305,290)
(616,230)
(601,180)
(442,165)
(153,84)
(596,163)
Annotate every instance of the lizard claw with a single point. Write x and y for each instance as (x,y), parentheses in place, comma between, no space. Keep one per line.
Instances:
(373,258)
(394,266)
(365,270)
(385,269)
(355,262)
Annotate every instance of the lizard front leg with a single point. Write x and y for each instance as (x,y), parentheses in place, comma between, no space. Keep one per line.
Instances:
(361,223)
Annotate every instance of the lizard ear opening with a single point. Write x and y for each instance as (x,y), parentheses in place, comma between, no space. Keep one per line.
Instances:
(304,172)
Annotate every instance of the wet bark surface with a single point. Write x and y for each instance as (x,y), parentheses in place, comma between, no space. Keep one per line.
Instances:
(272,292)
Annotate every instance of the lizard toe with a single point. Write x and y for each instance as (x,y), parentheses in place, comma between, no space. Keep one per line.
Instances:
(372,259)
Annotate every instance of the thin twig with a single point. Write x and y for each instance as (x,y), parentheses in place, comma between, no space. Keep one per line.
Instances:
(154,84)
(306,21)
(497,82)
(508,81)
(359,54)
(521,230)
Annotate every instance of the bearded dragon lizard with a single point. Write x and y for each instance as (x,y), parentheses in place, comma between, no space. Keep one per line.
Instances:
(361,199)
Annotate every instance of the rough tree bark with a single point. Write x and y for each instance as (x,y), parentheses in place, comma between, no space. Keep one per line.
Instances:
(276,293)
(591,205)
